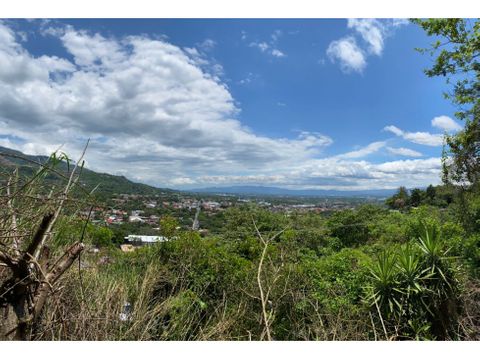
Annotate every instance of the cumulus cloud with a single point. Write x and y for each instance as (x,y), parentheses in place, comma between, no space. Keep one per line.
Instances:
(348,54)
(143,101)
(445,123)
(422,138)
(157,113)
(341,174)
(404,152)
(372,32)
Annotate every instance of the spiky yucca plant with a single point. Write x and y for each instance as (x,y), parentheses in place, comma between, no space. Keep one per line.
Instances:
(414,289)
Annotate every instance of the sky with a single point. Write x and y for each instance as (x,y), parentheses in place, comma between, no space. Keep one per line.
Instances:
(301,104)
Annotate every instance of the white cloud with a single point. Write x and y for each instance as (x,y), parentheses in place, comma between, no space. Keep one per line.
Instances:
(373,33)
(276,35)
(250,77)
(207,44)
(92,50)
(182,181)
(422,138)
(404,152)
(263,46)
(30,148)
(157,113)
(365,151)
(349,55)
(277,53)
(394,129)
(417,166)
(334,173)
(269,47)
(445,123)
(149,107)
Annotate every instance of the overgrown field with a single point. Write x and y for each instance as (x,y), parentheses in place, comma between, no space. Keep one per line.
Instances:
(367,274)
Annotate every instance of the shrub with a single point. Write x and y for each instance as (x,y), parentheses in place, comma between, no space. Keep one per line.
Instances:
(416,284)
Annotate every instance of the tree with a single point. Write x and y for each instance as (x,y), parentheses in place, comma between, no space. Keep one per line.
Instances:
(416,197)
(400,200)
(458,49)
(168,226)
(430,193)
(101,236)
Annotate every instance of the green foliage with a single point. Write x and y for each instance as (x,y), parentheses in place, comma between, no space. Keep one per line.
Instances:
(349,228)
(438,196)
(70,230)
(400,200)
(416,284)
(168,226)
(458,50)
(101,236)
(316,275)
(338,280)
(416,197)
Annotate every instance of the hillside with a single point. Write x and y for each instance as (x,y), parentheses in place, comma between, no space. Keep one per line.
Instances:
(107,183)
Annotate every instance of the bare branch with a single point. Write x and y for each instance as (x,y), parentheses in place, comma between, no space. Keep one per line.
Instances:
(16,239)
(57,270)
(62,200)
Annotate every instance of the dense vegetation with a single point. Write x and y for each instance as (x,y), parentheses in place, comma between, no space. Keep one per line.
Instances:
(407,270)
(369,273)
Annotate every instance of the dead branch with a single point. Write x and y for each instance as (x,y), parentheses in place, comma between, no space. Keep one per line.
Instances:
(57,270)
(263,297)
(15,238)
(62,200)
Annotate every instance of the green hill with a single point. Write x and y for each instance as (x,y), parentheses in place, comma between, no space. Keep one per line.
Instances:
(107,184)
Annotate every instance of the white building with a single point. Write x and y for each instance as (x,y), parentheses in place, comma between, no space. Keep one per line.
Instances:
(145,239)
(135,218)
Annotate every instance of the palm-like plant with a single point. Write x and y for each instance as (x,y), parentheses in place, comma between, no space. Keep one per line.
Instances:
(414,289)
(442,285)
(384,292)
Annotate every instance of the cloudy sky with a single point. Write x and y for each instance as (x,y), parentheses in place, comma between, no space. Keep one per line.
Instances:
(326,104)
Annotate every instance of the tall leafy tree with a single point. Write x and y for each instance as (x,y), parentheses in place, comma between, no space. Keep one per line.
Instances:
(416,197)
(430,192)
(399,200)
(457,51)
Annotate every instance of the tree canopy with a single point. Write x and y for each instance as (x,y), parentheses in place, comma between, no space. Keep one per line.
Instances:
(457,50)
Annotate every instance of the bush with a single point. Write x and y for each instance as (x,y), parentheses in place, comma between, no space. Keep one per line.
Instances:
(415,289)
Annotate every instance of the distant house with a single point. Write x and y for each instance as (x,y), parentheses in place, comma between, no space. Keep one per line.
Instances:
(127,247)
(144,239)
(151,205)
(135,218)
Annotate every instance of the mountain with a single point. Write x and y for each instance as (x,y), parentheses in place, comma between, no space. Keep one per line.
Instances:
(107,184)
(275,191)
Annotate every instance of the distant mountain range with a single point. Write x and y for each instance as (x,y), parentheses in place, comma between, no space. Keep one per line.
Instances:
(109,184)
(275,191)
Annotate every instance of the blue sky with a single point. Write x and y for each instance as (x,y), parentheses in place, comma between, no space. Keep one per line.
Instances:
(327,103)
